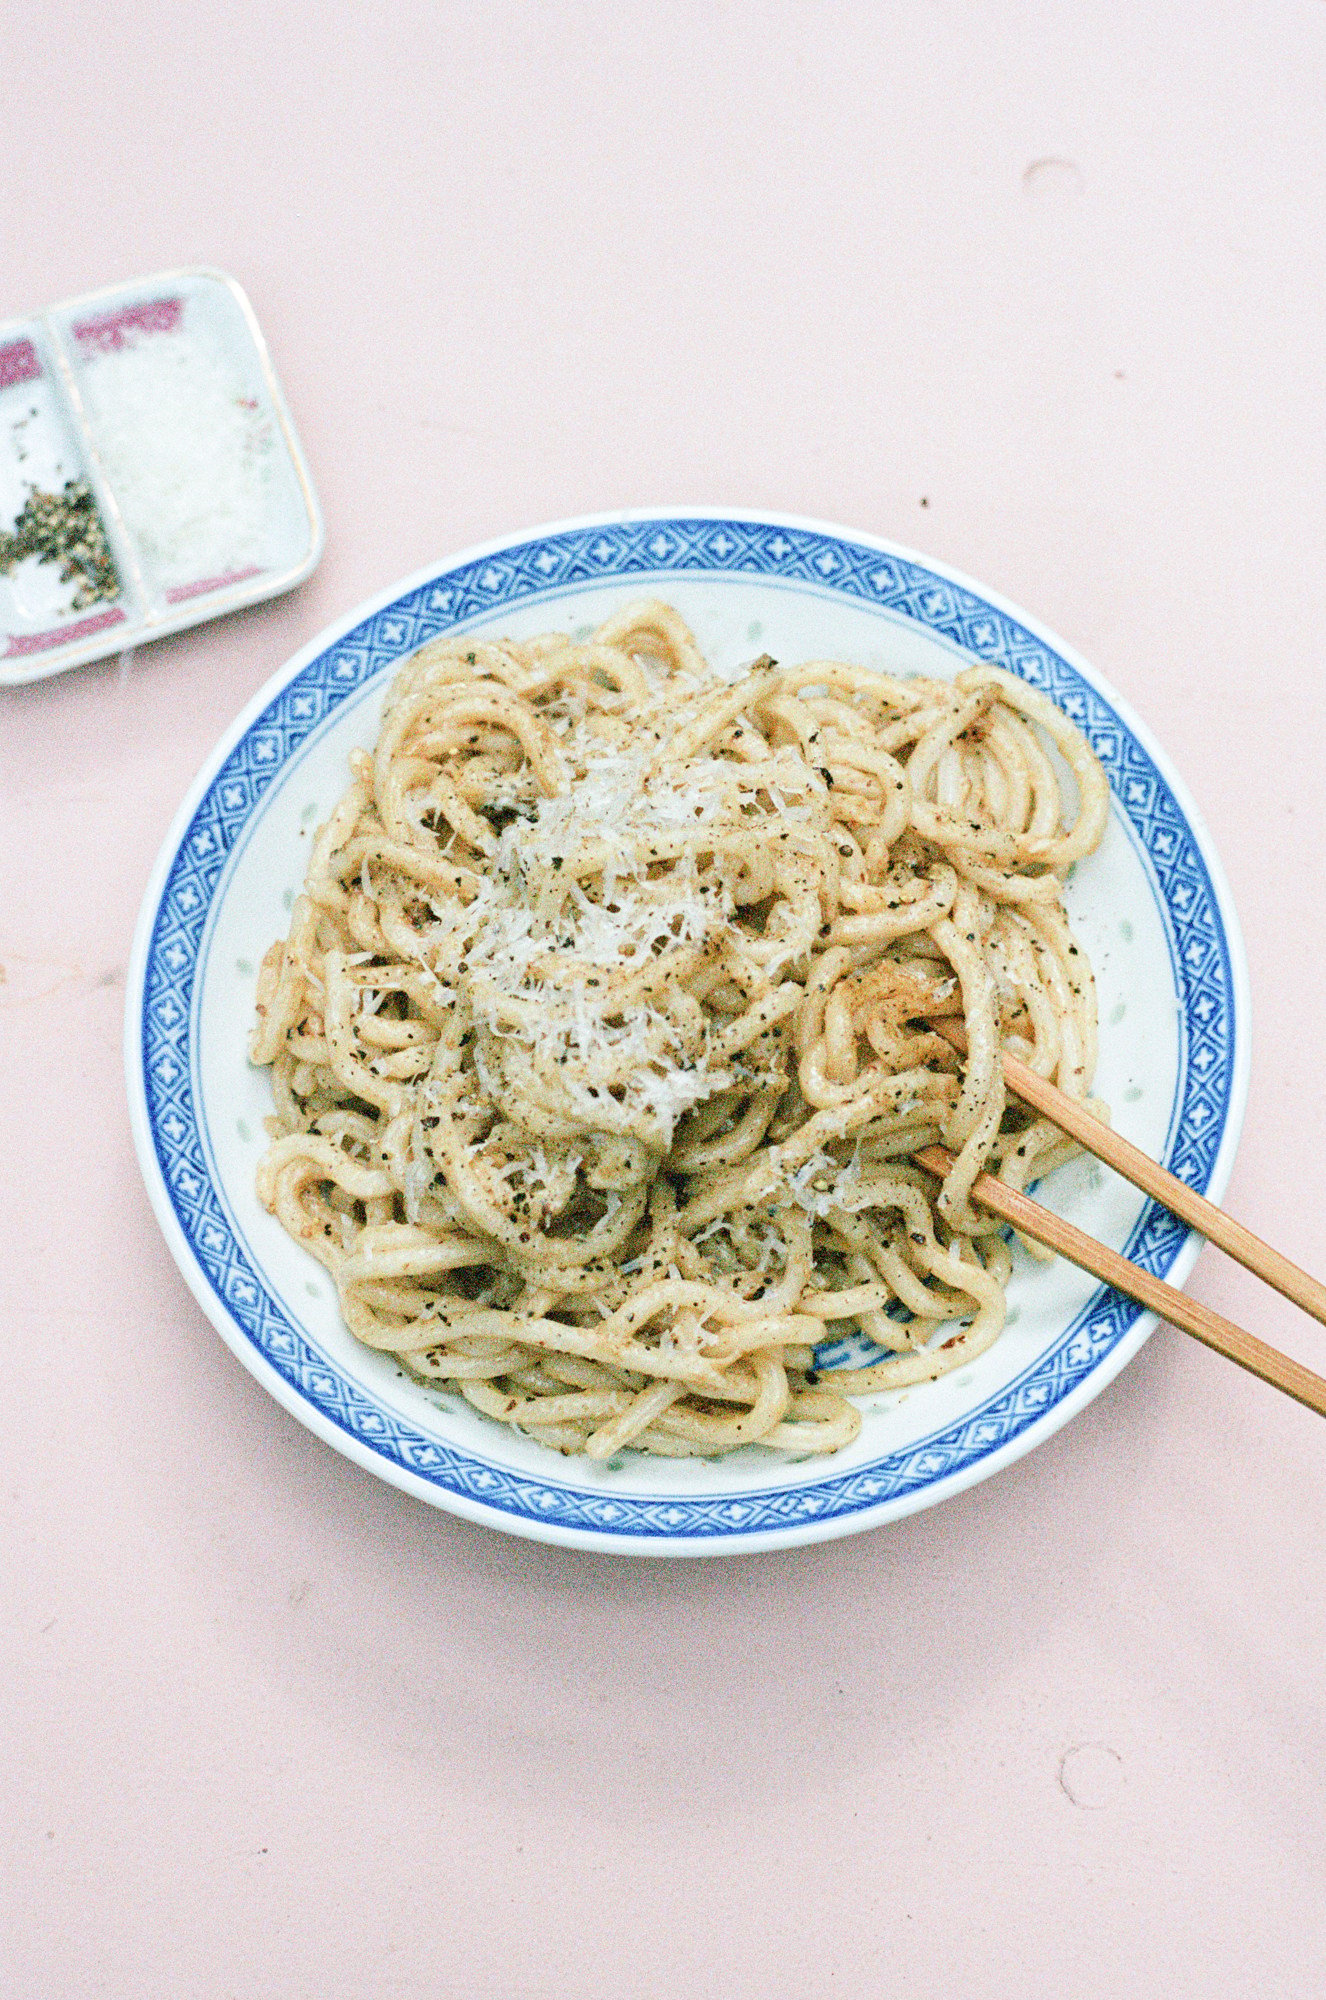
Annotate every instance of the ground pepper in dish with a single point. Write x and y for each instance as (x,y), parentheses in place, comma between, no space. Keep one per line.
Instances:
(64,528)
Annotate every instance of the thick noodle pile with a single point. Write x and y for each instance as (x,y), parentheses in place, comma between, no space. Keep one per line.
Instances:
(603,1032)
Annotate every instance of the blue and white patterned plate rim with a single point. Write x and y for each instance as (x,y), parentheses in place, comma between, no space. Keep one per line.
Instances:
(639,546)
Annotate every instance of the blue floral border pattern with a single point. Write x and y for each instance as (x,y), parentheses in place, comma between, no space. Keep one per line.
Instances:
(645,549)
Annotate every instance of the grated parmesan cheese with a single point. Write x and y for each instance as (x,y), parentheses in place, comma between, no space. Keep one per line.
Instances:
(187,451)
(820,1185)
(563,951)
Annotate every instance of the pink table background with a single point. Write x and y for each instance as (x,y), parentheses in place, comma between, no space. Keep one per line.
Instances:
(1034,287)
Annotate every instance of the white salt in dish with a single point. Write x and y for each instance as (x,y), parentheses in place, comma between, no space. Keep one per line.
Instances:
(148,422)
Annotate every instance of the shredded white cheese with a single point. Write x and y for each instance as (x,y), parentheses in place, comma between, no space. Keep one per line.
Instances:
(187,450)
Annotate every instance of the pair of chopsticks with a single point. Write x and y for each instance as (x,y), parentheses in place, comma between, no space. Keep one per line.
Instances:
(1028,1216)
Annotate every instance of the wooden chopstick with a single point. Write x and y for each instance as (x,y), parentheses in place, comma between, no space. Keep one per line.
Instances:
(1175,1306)
(1072,1116)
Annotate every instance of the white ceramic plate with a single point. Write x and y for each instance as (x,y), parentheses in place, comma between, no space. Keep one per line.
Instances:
(1151,906)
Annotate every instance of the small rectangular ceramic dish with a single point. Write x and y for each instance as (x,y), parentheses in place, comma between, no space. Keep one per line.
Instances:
(150,476)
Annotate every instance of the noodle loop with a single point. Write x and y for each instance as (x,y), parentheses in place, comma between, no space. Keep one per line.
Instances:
(603,1033)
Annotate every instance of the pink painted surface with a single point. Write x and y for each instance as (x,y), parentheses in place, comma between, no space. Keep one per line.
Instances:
(18,644)
(1034,288)
(18,363)
(182,592)
(115,330)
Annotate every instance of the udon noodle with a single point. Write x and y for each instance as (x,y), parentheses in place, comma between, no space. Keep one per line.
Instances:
(604,1031)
